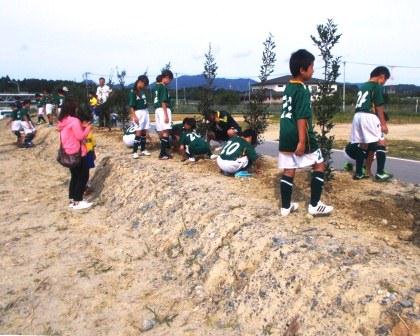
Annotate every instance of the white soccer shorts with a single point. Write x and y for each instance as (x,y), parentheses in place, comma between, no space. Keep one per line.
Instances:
(144,121)
(230,166)
(365,128)
(160,120)
(49,109)
(292,161)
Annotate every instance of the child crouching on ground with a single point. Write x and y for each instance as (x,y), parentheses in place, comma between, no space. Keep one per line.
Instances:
(238,155)
(191,143)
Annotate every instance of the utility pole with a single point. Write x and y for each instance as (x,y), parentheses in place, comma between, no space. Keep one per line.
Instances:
(344,86)
(417,105)
(17,84)
(249,90)
(176,89)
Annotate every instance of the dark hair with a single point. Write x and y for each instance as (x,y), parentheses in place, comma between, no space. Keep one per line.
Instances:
(37,95)
(300,59)
(380,70)
(190,121)
(91,93)
(209,113)
(158,78)
(250,133)
(102,78)
(144,79)
(84,116)
(167,73)
(60,91)
(69,108)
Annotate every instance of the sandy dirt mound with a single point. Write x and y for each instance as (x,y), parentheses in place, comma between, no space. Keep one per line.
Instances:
(178,249)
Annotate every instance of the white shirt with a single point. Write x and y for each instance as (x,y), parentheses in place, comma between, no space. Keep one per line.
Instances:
(102,93)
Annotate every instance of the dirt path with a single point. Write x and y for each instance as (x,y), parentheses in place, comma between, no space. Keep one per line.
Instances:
(191,252)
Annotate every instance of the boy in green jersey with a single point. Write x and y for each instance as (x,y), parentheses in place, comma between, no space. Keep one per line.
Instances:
(163,115)
(238,154)
(369,124)
(191,143)
(298,147)
(139,115)
(40,106)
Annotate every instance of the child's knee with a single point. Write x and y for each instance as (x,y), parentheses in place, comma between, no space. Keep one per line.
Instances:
(319,167)
(289,172)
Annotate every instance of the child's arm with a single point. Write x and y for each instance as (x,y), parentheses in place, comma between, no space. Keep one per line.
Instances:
(165,112)
(133,115)
(380,112)
(302,128)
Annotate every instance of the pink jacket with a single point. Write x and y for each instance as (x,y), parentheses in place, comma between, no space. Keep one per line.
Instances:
(72,135)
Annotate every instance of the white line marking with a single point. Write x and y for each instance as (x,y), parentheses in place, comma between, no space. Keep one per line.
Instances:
(388,157)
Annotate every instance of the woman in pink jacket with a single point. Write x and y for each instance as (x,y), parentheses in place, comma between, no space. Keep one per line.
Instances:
(72,137)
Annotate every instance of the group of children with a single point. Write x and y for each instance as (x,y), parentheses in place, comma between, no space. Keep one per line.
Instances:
(22,125)
(235,157)
(298,146)
(49,106)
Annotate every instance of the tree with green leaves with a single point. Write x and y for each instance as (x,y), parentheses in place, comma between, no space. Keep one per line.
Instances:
(257,116)
(167,66)
(327,101)
(209,73)
(118,99)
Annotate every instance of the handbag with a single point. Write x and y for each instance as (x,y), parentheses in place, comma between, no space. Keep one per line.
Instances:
(68,160)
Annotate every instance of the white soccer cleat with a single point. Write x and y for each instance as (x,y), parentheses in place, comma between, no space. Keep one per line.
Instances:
(82,205)
(145,153)
(320,209)
(192,159)
(214,156)
(135,156)
(293,207)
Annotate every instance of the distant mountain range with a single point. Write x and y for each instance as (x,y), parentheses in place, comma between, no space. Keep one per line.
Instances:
(237,84)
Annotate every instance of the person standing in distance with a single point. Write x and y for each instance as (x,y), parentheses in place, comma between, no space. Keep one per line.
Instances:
(102,93)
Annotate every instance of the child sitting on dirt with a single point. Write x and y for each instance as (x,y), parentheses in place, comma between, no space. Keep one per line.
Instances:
(191,143)
(222,127)
(238,155)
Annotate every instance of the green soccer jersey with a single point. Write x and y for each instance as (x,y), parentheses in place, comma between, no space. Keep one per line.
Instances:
(48,99)
(194,143)
(59,101)
(137,101)
(19,114)
(238,147)
(161,96)
(369,96)
(296,105)
(39,103)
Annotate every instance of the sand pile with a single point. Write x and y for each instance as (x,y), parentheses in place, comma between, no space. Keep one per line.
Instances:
(179,249)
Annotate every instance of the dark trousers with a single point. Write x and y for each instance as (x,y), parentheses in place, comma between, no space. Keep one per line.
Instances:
(104,115)
(78,180)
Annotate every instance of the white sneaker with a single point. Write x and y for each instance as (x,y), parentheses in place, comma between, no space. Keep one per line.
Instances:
(293,207)
(82,205)
(191,159)
(145,153)
(71,204)
(213,157)
(320,209)
(135,156)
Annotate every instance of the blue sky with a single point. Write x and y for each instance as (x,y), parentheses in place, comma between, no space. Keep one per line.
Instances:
(63,39)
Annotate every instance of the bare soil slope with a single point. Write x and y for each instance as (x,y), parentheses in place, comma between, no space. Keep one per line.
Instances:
(182,250)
